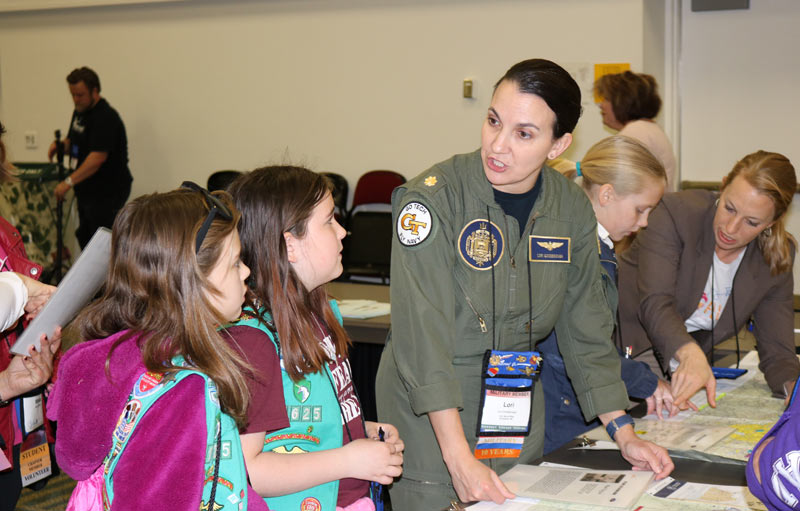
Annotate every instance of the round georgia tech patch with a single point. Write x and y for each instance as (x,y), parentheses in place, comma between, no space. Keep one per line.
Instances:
(481,244)
(414,224)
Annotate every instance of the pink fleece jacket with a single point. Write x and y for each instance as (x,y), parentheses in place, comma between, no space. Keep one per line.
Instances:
(162,467)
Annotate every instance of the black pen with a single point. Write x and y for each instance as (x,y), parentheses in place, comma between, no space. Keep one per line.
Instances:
(380,433)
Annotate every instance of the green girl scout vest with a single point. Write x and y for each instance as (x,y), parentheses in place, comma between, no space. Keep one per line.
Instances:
(231,488)
(315,423)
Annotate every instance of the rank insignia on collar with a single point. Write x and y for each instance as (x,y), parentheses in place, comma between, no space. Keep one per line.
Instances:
(549,249)
(430,181)
(481,244)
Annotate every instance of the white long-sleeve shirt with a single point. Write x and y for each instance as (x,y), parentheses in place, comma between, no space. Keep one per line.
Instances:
(13,297)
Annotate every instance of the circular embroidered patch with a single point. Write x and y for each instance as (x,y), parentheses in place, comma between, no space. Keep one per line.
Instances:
(414,224)
(481,244)
(310,504)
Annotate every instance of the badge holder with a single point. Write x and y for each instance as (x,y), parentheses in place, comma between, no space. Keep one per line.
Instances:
(504,417)
(34,455)
(34,458)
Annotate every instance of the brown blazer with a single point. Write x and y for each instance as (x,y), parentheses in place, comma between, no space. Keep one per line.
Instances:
(662,277)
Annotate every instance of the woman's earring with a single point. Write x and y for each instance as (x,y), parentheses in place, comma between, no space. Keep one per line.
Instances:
(716,202)
(767,232)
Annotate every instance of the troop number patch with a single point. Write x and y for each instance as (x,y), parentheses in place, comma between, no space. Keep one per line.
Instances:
(414,224)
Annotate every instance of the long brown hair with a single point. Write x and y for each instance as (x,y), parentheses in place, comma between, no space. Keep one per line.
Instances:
(773,175)
(158,288)
(273,201)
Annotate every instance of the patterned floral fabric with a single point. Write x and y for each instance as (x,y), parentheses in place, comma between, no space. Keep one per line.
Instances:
(29,205)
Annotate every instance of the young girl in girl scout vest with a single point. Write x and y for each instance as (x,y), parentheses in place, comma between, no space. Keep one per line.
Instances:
(326,457)
(148,411)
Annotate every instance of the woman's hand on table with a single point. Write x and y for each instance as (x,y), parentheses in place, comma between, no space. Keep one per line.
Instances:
(643,455)
(693,373)
(474,481)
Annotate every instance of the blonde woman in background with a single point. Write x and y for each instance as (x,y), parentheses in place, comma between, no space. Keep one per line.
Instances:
(705,266)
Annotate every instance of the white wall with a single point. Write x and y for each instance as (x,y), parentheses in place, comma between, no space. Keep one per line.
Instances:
(342,86)
(740,72)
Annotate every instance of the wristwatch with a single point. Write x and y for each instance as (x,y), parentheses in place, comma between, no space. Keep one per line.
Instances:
(615,424)
(69,181)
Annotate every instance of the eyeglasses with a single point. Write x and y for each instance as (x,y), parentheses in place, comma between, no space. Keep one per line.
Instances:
(217,207)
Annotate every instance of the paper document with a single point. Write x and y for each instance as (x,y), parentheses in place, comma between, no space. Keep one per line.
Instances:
(362,309)
(78,286)
(716,494)
(618,489)
(681,435)
(517,504)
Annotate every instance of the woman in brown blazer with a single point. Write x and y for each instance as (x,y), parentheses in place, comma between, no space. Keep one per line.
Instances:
(695,238)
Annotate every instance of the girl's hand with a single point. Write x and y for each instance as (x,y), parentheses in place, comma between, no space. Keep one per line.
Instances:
(390,433)
(374,461)
(661,399)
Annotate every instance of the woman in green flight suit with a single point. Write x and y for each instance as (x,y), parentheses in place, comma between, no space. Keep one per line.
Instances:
(492,251)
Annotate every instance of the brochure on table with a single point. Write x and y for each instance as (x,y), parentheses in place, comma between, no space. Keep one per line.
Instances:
(616,489)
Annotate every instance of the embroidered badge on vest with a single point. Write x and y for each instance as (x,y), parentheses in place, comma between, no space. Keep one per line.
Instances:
(302,389)
(414,224)
(549,249)
(126,420)
(310,504)
(151,383)
(481,244)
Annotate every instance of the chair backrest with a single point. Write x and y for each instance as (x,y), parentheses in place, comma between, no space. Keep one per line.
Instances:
(220,179)
(340,190)
(368,247)
(375,187)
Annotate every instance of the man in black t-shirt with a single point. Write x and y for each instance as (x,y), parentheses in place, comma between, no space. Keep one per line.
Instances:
(98,151)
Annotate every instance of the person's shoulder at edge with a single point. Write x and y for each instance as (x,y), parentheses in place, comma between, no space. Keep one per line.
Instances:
(442,186)
(441,175)
(687,204)
(562,199)
(91,355)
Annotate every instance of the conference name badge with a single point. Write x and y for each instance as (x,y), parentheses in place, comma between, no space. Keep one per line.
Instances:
(504,417)
(549,249)
(481,244)
(414,224)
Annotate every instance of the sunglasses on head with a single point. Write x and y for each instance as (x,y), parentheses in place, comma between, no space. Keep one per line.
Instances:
(216,207)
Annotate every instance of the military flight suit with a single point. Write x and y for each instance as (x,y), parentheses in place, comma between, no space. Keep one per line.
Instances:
(443,315)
